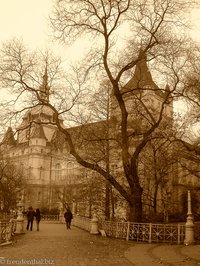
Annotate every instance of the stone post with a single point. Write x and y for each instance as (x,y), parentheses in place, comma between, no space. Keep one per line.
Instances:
(189,226)
(20,219)
(94,225)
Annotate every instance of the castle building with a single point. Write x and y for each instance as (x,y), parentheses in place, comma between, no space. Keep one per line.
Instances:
(52,174)
(40,152)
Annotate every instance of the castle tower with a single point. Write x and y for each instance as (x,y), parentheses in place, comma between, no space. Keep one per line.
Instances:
(8,139)
(38,136)
(142,77)
(33,150)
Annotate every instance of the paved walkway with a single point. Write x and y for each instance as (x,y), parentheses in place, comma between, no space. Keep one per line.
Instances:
(163,254)
(54,245)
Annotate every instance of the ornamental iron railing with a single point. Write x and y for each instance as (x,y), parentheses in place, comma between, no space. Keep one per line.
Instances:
(168,233)
(82,222)
(6,216)
(197,231)
(50,217)
(7,230)
(143,232)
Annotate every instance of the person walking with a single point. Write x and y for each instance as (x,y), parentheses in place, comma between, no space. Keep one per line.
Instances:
(37,217)
(68,218)
(30,218)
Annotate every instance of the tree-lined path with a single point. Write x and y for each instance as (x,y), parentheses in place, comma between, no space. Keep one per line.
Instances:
(67,247)
(62,247)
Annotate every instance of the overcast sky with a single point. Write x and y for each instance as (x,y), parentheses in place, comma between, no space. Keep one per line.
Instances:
(28,19)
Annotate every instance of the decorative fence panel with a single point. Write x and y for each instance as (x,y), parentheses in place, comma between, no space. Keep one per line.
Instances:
(139,232)
(168,233)
(82,222)
(115,229)
(7,230)
(145,232)
(197,231)
(5,216)
(50,217)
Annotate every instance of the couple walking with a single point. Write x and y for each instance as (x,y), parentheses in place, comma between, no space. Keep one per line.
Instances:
(30,217)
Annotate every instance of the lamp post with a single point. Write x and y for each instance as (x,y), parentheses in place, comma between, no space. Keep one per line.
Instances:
(189,226)
(50,182)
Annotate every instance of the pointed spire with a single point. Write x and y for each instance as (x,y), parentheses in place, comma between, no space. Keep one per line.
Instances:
(9,137)
(142,77)
(142,73)
(45,78)
(44,88)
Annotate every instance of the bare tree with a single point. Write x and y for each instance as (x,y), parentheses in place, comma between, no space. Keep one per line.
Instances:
(12,182)
(158,160)
(152,39)
(151,22)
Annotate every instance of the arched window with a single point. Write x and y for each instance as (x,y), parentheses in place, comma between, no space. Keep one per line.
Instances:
(58,172)
(70,172)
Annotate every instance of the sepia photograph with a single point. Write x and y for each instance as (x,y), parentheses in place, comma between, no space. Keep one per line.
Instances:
(100,132)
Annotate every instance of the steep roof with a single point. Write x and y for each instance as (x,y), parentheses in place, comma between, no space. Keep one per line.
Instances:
(9,137)
(40,111)
(142,77)
(38,131)
(58,140)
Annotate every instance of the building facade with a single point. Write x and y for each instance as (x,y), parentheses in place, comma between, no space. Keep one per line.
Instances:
(54,178)
(39,150)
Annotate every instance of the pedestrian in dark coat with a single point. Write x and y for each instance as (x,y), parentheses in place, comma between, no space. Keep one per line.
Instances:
(38,218)
(68,218)
(30,218)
